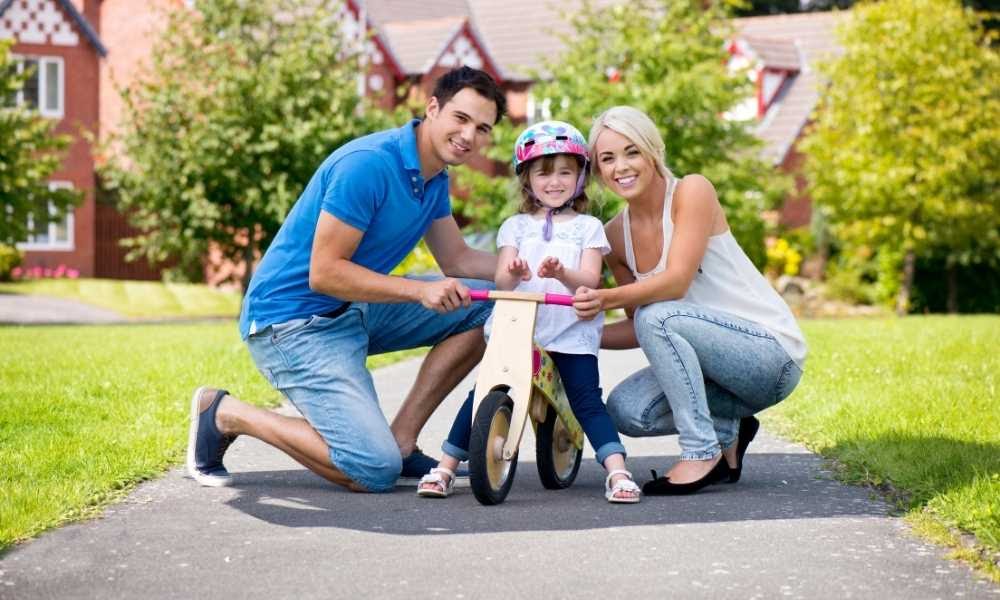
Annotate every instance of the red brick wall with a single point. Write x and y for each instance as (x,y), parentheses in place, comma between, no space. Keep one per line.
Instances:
(80,115)
(797,209)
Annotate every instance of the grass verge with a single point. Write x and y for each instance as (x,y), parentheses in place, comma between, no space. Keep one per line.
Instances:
(136,298)
(87,412)
(910,406)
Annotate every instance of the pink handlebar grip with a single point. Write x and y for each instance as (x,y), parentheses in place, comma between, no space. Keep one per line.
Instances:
(561,299)
(486,295)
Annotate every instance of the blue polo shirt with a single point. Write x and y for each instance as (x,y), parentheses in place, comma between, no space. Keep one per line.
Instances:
(372,183)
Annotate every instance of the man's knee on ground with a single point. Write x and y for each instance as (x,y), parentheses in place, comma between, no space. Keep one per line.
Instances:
(377,472)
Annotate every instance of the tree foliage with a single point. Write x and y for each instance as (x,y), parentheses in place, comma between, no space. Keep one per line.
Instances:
(667,58)
(903,155)
(30,152)
(242,103)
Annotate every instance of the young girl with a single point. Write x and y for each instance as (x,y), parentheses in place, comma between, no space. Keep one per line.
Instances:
(551,247)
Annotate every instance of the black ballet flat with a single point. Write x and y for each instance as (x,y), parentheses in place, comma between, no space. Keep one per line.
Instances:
(748,430)
(662,486)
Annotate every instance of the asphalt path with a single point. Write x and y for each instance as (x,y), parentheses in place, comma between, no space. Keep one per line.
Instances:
(44,310)
(787,529)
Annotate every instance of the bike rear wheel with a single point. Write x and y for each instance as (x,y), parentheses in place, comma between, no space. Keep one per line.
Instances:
(558,459)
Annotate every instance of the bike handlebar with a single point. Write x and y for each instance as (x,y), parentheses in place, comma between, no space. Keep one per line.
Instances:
(487,295)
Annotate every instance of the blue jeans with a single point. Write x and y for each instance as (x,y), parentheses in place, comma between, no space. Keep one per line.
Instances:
(319,365)
(583,390)
(707,369)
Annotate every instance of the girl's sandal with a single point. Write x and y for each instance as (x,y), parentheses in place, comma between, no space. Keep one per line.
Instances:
(440,487)
(623,485)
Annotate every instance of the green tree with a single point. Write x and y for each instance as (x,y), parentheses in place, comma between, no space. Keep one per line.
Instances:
(667,58)
(903,155)
(29,153)
(242,103)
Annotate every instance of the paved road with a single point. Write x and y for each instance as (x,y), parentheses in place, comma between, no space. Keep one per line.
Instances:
(786,530)
(29,310)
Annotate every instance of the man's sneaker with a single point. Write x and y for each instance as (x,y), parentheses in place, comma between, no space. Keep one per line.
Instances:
(206,444)
(418,464)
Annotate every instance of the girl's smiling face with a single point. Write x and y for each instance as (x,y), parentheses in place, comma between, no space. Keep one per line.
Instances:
(553,182)
(622,167)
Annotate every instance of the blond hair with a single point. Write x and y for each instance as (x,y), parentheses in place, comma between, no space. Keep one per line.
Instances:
(637,127)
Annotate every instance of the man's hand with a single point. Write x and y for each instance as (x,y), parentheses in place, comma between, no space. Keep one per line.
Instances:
(519,269)
(587,303)
(445,295)
(552,268)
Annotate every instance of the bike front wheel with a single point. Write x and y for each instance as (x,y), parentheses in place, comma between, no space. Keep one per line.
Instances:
(490,476)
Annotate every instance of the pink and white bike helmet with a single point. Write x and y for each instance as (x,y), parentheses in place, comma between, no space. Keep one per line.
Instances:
(546,138)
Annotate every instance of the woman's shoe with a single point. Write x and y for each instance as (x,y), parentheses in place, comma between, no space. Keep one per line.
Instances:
(662,486)
(748,430)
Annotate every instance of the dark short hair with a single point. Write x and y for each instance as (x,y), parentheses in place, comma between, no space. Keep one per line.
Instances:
(456,80)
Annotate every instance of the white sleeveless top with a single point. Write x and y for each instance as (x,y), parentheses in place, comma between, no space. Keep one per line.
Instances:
(727,281)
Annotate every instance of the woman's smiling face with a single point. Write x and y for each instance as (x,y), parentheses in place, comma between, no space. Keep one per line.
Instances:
(623,168)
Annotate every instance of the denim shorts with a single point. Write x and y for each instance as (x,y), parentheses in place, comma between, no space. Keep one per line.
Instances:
(318,363)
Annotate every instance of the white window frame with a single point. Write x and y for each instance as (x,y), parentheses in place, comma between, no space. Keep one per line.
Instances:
(68,220)
(43,62)
(537,110)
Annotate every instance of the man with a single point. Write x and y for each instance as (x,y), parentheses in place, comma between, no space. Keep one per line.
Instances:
(321,301)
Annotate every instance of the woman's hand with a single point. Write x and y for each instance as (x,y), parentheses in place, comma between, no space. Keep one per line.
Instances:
(518,268)
(587,302)
(551,267)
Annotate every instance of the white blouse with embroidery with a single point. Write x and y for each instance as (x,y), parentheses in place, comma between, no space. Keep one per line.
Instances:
(556,327)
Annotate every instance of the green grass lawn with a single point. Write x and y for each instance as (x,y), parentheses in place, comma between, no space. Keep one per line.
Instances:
(86,412)
(911,406)
(136,298)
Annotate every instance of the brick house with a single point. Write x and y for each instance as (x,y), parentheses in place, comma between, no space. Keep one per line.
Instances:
(61,42)
(782,52)
(92,48)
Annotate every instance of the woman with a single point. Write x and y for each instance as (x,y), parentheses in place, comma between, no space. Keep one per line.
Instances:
(721,343)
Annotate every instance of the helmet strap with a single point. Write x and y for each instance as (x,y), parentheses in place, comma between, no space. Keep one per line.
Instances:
(549,213)
(580,181)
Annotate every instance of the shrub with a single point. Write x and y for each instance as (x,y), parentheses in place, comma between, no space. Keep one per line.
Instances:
(782,258)
(10,259)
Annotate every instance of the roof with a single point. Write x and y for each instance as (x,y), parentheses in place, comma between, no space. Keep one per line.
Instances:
(781,54)
(790,42)
(418,44)
(520,34)
(82,24)
(379,12)
(449,41)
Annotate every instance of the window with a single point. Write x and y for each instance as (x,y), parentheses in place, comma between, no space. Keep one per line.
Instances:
(45,232)
(44,87)
(538,111)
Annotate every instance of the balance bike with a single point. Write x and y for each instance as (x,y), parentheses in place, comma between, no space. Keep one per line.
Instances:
(512,385)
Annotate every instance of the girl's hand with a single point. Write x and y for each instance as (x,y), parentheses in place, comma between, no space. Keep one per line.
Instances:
(552,268)
(587,303)
(518,267)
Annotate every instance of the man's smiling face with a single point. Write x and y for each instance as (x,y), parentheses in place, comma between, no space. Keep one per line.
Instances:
(461,127)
